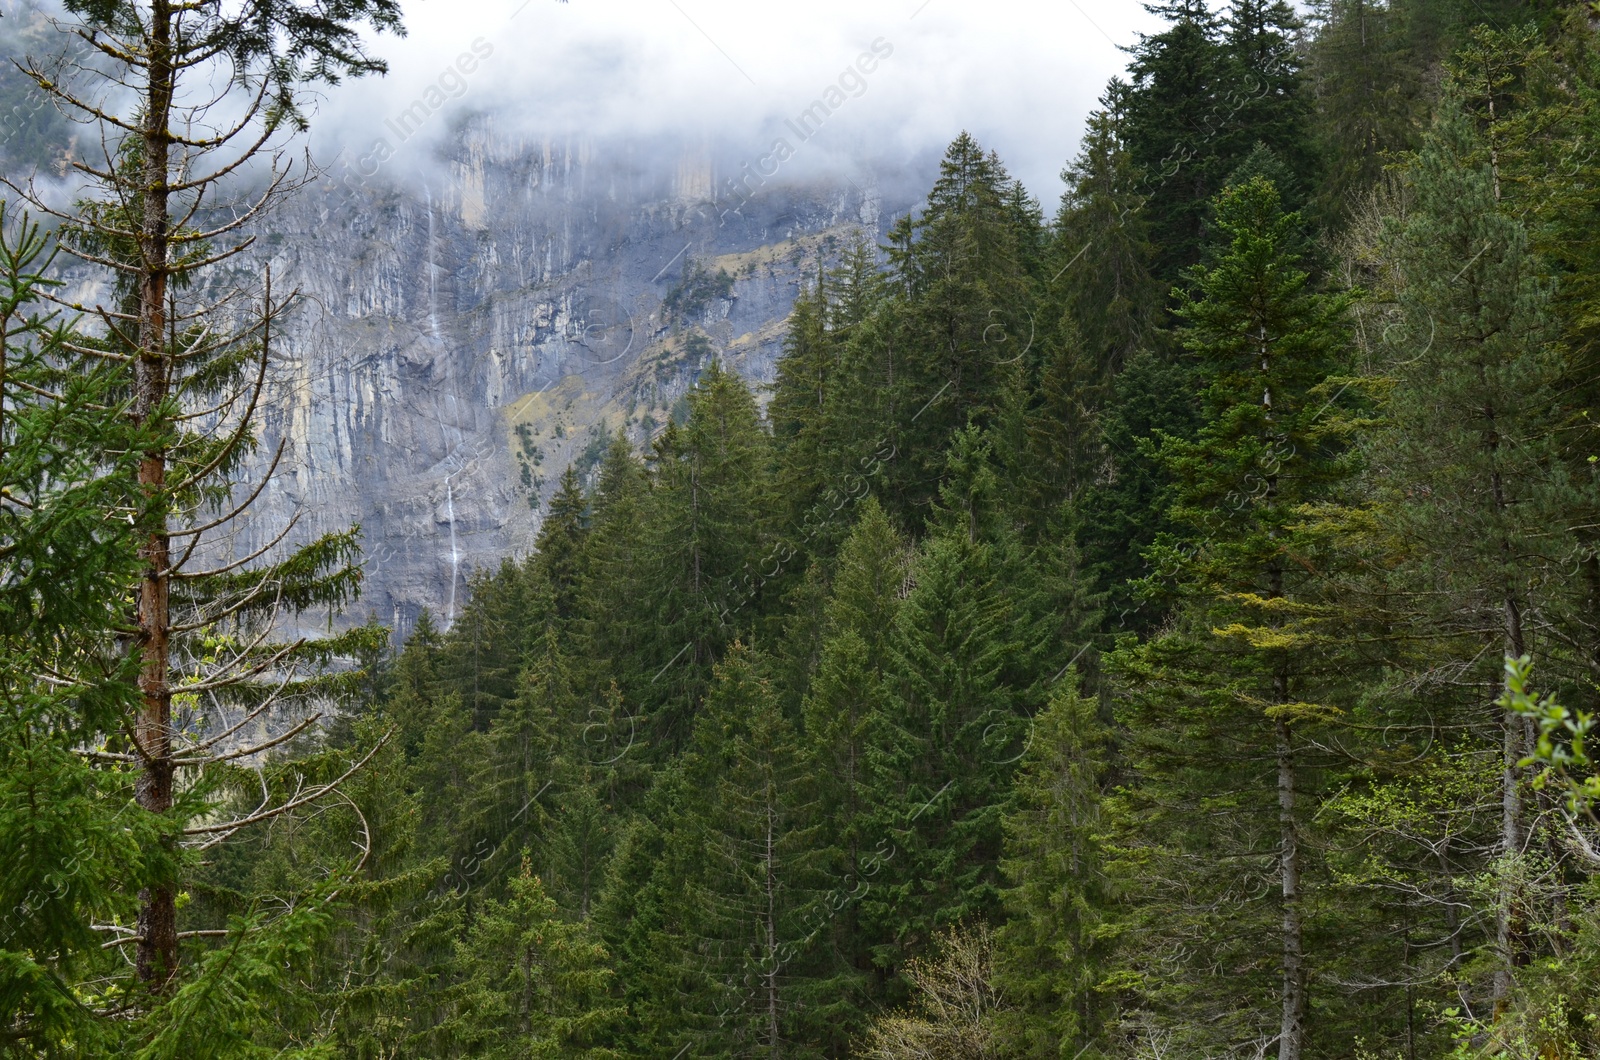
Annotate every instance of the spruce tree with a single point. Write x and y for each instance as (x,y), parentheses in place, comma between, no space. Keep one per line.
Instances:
(1273,104)
(1100,275)
(531,983)
(966,656)
(1123,512)
(707,531)
(962,322)
(558,553)
(195,377)
(707,892)
(1054,948)
(72,857)
(1174,112)
(841,717)
(1217,702)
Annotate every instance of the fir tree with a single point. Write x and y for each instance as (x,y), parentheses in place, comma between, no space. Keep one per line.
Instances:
(963,319)
(1174,110)
(559,549)
(1102,282)
(1273,107)
(203,618)
(840,721)
(73,858)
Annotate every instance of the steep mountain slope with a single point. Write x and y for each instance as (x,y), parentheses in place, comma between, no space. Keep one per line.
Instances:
(467,332)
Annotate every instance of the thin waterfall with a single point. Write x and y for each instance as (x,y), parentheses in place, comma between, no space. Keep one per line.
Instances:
(433,271)
(455,555)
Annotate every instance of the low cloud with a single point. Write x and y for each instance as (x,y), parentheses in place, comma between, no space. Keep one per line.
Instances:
(737,77)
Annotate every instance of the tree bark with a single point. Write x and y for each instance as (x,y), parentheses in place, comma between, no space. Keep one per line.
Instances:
(772,932)
(1291,1031)
(156,960)
(1510,932)
(1291,1037)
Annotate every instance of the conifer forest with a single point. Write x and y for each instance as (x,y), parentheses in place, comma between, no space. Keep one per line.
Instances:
(1160,623)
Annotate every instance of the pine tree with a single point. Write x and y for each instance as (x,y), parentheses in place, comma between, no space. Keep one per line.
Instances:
(559,549)
(525,762)
(72,858)
(840,718)
(1367,94)
(1469,456)
(1122,514)
(494,634)
(1273,102)
(707,893)
(761,871)
(1101,274)
(582,839)
(805,373)
(1174,109)
(611,644)
(963,319)
(944,747)
(705,536)
(1047,438)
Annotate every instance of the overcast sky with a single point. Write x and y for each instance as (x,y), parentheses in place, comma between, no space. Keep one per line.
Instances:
(1019,74)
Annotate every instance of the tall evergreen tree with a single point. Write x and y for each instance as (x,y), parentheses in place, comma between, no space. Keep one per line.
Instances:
(1469,457)
(962,318)
(1101,270)
(713,922)
(840,718)
(1232,684)
(1273,108)
(1179,80)
(707,530)
(532,983)
(968,656)
(558,553)
(1053,949)
(195,376)
(72,857)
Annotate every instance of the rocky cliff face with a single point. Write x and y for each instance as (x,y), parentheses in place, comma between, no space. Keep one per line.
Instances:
(462,338)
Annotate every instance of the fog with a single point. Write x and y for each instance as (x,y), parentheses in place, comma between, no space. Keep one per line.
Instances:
(897,80)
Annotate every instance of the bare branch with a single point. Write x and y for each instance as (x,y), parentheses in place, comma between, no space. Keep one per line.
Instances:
(219,832)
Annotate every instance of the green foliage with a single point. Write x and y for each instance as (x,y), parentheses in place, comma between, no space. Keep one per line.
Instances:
(1055,667)
(1052,952)
(696,289)
(531,983)
(1215,701)
(1562,743)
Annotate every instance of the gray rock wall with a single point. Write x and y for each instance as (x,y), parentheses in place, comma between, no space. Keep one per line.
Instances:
(465,335)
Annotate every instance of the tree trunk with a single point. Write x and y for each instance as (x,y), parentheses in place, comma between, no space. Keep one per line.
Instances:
(1291,1037)
(772,935)
(157,956)
(1291,1032)
(1510,932)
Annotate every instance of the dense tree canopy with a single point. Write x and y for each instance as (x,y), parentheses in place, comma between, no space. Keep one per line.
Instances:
(1163,629)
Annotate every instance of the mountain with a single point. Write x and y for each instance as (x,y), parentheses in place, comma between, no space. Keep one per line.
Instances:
(472,323)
